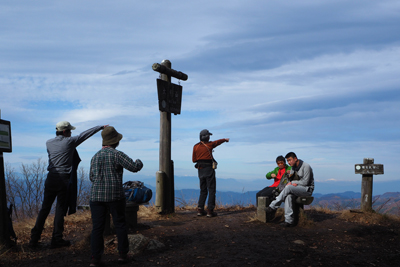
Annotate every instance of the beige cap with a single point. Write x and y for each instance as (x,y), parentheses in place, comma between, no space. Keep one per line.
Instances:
(64,125)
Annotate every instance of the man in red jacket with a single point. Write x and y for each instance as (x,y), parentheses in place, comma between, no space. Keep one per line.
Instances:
(206,165)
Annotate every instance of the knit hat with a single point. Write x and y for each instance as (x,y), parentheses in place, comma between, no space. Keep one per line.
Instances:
(64,125)
(110,136)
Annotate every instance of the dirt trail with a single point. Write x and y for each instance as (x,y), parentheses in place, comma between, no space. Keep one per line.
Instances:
(234,238)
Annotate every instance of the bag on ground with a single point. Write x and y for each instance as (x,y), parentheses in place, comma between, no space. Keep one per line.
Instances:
(135,191)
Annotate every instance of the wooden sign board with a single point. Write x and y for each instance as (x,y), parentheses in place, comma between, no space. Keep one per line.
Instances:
(372,169)
(5,136)
(169,97)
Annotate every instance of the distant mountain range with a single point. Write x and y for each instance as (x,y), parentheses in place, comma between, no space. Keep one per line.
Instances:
(386,195)
(386,203)
(240,185)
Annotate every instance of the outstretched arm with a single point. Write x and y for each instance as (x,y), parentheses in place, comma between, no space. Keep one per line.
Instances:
(128,163)
(219,141)
(79,139)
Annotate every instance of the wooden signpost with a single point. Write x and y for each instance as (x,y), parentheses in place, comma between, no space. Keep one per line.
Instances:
(367,169)
(169,101)
(5,146)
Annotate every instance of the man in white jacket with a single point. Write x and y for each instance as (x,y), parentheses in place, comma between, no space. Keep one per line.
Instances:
(301,185)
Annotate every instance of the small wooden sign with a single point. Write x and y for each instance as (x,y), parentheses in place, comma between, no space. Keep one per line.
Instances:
(169,97)
(5,136)
(372,169)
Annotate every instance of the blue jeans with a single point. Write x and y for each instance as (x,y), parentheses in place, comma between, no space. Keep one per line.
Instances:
(55,186)
(99,212)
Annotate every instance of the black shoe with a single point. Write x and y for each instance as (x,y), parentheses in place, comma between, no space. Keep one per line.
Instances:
(269,210)
(286,224)
(201,212)
(211,213)
(60,243)
(95,262)
(33,243)
(270,213)
(124,258)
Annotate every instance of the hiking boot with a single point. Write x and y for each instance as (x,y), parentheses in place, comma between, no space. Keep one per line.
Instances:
(270,213)
(286,224)
(124,258)
(60,243)
(201,212)
(211,213)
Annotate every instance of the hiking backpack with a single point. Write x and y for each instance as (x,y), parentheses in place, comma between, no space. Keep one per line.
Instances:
(135,191)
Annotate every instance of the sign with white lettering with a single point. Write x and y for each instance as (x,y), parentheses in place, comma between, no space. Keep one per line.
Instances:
(372,169)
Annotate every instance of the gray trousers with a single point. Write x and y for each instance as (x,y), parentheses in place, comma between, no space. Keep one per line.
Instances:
(288,195)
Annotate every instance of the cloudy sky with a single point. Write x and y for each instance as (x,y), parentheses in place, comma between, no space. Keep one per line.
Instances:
(320,78)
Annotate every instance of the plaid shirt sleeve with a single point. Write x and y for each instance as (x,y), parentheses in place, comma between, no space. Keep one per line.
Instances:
(127,163)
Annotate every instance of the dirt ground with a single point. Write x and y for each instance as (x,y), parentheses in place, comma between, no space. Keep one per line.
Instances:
(233,238)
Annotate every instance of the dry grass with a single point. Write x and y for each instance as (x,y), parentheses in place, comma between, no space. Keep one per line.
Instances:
(325,210)
(148,213)
(235,207)
(368,217)
(304,221)
(75,223)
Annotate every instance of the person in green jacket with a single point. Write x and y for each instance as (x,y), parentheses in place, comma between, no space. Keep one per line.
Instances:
(277,175)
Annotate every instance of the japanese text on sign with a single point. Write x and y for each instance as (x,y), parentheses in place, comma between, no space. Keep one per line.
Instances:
(369,168)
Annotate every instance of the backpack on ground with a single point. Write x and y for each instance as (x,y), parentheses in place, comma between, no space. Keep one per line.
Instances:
(135,191)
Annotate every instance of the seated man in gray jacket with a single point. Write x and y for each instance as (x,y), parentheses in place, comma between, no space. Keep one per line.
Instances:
(301,185)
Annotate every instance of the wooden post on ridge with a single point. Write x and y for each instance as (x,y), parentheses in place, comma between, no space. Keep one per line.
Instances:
(165,149)
(5,240)
(169,97)
(367,169)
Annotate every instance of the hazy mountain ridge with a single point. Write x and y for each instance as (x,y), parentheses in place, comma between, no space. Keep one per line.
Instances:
(234,192)
(386,203)
(241,185)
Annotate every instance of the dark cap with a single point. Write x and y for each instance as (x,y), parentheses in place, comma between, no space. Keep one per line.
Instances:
(204,135)
(205,132)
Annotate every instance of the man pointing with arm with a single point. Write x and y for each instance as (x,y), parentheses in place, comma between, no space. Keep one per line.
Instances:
(63,162)
(206,165)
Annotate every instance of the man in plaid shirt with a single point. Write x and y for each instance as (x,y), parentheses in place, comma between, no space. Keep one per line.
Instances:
(107,193)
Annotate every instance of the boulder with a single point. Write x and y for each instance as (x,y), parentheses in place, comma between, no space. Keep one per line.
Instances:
(139,243)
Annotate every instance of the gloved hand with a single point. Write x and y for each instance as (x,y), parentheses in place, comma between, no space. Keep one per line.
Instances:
(139,164)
